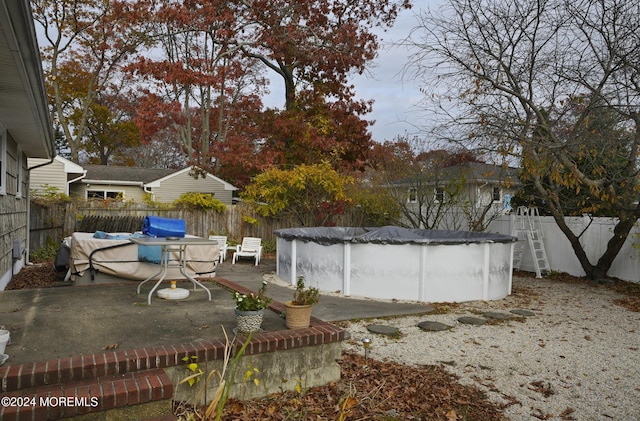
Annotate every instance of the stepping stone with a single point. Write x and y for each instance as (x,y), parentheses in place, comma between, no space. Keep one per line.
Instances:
(521,312)
(431,326)
(497,316)
(384,330)
(477,321)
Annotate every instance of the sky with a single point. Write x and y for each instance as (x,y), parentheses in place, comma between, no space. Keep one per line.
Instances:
(395,96)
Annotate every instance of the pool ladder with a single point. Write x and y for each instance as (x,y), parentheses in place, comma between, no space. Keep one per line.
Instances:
(528,230)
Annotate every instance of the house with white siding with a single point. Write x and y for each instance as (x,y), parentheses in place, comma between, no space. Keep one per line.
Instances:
(465,196)
(25,130)
(133,183)
(54,177)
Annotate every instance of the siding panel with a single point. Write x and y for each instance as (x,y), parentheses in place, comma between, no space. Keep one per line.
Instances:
(171,188)
(52,175)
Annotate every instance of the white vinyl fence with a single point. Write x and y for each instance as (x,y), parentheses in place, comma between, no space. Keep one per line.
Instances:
(561,257)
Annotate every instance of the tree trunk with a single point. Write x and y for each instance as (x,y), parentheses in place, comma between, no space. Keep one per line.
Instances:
(600,269)
(620,234)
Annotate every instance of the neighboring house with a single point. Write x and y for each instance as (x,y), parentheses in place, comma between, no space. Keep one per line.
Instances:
(463,196)
(25,130)
(54,177)
(130,183)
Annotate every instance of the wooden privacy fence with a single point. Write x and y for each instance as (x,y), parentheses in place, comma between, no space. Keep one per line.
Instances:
(46,224)
(110,223)
(235,222)
(238,221)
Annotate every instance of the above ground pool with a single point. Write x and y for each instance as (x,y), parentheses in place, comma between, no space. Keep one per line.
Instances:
(397,263)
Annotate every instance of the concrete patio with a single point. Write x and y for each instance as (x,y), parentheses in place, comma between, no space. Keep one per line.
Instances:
(90,333)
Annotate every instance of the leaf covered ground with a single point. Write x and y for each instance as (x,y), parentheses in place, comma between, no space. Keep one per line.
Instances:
(38,275)
(371,390)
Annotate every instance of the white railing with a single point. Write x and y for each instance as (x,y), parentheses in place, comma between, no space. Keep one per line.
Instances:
(561,257)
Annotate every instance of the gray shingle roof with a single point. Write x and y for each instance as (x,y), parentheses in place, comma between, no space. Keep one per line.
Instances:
(115,173)
(482,172)
(471,171)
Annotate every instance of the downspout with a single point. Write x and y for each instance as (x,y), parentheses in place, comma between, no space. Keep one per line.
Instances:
(68,190)
(147,189)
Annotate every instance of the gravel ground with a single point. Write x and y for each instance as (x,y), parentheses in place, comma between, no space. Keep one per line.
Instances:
(577,358)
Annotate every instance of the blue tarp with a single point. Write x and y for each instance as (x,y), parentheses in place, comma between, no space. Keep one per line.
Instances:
(156,226)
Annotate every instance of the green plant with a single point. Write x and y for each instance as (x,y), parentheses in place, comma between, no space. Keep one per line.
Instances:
(205,201)
(303,296)
(269,246)
(48,195)
(46,252)
(317,190)
(251,374)
(192,366)
(251,301)
(250,220)
(225,381)
(147,199)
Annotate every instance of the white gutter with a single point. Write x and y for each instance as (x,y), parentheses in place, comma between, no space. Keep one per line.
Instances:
(68,184)
(112,182)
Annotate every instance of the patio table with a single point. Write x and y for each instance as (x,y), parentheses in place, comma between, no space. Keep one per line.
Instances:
(175,245)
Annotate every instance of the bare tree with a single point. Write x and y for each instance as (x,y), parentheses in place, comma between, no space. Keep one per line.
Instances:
(516,72)
(427,200)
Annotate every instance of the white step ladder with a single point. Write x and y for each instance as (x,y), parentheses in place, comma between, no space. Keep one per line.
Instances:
(528,228)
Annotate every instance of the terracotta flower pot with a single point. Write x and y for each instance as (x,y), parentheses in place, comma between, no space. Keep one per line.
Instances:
(297,316)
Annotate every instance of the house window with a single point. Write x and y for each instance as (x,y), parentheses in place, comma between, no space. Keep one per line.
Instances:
(104,194)
(439,195)
(496,194)
(413,195)
(3,160)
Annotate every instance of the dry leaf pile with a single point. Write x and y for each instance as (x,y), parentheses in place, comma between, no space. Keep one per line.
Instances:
(374,390)
(39,275)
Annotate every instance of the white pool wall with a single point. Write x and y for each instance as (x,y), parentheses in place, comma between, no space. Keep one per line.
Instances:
(413,272)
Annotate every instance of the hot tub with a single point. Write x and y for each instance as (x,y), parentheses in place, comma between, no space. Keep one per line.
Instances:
(397,263)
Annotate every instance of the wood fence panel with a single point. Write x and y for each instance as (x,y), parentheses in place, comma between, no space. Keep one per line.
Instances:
(46,225)
(236,222)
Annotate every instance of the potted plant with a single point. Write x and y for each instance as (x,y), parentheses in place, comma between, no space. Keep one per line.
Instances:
(298,310)
(250,309)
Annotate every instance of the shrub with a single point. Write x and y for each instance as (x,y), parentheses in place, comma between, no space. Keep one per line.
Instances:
(48,195)
(204,201)
(45,253)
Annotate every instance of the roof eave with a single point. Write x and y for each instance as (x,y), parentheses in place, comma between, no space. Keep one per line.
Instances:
(24,109)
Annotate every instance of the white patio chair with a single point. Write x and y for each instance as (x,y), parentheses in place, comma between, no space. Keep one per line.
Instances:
(250,247)
(222,242)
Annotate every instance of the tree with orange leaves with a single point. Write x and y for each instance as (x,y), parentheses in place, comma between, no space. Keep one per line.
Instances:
(86,44)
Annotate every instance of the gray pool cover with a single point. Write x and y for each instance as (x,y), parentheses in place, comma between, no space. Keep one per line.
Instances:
(389,235)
